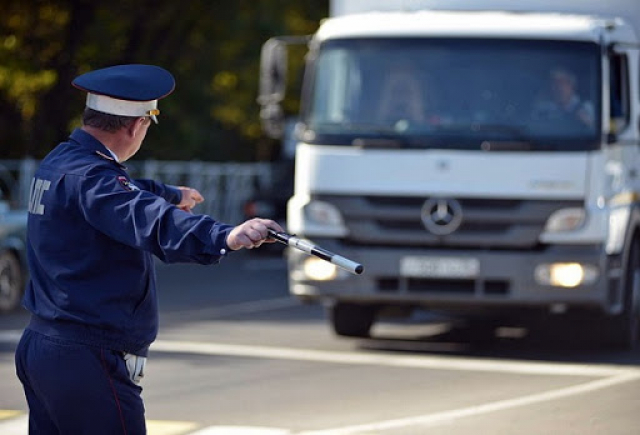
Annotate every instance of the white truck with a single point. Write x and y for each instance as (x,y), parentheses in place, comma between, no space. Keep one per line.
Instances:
(509,186)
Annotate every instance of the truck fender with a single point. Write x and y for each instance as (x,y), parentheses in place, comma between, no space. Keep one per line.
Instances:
(632,232)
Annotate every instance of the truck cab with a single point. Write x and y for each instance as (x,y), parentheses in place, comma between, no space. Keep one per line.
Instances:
(481,162)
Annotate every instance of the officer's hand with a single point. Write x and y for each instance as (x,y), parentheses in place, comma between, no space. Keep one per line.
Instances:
(190,198)
(252,234)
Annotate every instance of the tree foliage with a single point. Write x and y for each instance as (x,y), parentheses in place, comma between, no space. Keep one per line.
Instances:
(212,48)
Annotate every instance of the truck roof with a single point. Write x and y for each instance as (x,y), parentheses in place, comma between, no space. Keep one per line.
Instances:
(489,24)
(629,10)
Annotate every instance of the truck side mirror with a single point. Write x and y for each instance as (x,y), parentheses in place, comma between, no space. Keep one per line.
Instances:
(272,89)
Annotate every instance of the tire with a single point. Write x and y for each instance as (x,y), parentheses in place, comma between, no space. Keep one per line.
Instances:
(623,330)
(352,320)
(10,282)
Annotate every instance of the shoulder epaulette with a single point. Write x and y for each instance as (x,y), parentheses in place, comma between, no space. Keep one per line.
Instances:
(109,158)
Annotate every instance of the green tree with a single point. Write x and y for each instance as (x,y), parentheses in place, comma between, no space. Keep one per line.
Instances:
(212,47)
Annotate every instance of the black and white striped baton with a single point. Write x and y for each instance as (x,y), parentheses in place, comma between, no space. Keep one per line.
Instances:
(311,249)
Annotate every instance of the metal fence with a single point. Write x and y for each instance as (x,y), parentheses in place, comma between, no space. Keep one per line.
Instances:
(225,186)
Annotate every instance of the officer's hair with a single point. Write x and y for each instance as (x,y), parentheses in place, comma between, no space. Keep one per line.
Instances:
(106,121)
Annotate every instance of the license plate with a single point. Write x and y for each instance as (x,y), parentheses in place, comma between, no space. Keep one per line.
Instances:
(439,267)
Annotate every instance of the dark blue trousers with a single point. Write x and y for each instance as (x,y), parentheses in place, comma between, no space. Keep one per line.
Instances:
(75,389)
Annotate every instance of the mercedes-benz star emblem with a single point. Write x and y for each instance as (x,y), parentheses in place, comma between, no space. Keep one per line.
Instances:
(441,216)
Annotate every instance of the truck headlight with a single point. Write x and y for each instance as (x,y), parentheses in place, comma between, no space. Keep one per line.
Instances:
(323,213)
(313,218)
(566,275)
(319,270)
(565,219)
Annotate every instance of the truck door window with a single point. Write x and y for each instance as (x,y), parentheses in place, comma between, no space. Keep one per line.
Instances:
(337,85)
(619,92)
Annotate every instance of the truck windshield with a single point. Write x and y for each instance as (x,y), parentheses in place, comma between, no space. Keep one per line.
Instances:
(456,93)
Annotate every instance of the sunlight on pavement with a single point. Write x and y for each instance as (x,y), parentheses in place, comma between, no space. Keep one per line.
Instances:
(5,413)
(161,427)
(14,422)
(241,430)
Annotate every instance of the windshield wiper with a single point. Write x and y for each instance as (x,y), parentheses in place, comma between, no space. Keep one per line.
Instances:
(512,137)
(511,145)
(357,127)
(516,131)
(378,142)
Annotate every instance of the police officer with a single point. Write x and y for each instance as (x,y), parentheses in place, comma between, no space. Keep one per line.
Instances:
(92,233)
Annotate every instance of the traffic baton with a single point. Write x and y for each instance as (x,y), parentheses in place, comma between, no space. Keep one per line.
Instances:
(311,249)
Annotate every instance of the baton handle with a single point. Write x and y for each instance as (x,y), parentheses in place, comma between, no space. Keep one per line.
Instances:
(315,250)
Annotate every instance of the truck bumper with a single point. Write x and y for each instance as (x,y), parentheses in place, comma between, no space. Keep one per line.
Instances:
(502,278)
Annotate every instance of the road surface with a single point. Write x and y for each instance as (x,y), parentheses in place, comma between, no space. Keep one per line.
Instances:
(236,355)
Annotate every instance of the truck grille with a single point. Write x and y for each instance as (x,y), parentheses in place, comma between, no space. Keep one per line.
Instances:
(485,223)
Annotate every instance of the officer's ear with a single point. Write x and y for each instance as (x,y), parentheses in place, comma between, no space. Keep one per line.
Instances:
(138,126)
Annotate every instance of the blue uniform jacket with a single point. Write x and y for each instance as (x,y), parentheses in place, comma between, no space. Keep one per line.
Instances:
(92,232)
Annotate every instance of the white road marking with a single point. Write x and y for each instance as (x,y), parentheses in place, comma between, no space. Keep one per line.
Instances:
(15,426)
(379,358)
(382,359)
(610,375)
(500,405)
(166,427)
(20,426)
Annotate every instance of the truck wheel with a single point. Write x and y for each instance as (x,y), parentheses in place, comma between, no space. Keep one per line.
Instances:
(352,320)
(624,329)
(10,282)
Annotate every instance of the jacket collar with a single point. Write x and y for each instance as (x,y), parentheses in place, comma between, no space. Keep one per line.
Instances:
(89,142)
(84,139)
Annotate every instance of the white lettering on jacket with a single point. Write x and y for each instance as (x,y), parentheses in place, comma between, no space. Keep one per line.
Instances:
(38,187)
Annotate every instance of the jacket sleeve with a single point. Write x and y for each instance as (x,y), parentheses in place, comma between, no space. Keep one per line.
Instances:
(170,193)
(137,217)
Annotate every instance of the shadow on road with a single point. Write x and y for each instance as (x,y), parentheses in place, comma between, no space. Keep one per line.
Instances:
(551,342)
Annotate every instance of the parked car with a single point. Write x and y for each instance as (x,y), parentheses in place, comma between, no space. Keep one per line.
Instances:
(13,261)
